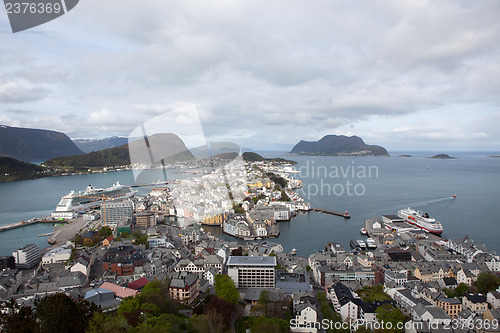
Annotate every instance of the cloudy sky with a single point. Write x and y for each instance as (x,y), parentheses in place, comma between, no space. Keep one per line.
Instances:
(408,75)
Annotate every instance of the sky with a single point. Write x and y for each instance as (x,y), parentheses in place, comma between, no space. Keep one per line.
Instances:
(407,75)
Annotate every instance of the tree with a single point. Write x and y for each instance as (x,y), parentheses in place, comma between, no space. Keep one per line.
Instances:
(218,313)
(461,289)
(225,289)
(60,313)
(270,325)
(18,319)
(388,313)
(487,281)
(105,232)
(264,301)
(102,323)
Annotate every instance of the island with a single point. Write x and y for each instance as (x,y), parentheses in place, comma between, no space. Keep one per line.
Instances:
(443,157)
(405,155)
(338,145)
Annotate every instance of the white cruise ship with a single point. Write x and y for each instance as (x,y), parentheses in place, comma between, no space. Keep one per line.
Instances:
(421,220)
(88,198)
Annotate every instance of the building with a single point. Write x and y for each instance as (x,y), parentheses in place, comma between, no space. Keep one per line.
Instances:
(122,259)
(305,316)
(27,256)
(57,255)
(184,287)
(452,306)
(7,262)
(252,272)
(493,298)
(475,302)
(145,220)
(113,211)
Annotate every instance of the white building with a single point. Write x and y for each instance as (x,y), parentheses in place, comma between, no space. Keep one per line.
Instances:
(252,272)
(27,256)
(57,255)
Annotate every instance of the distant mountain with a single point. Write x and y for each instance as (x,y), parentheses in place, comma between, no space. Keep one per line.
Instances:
(254,157)
(338,145)
(90,145)
(168,147)
(12,169)
(27,144)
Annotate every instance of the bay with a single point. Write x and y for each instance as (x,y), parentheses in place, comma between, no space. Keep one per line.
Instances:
(394,183)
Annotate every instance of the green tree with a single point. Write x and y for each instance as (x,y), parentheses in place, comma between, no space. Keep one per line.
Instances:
(225,289)
(461,289)
(270,325)
(102,323)
(60,313)
(18,319)
(487,281)
(388,313)
(105,232)
(264,299)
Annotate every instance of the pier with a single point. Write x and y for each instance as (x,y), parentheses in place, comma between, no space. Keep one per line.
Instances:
(27,222)
(344,215)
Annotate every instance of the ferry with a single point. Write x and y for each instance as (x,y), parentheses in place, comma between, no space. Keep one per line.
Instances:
(91,195)
(421,220)
(358,244)
(370,243)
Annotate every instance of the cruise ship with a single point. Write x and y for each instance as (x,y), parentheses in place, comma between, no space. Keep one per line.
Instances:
(421,220)
(88,198)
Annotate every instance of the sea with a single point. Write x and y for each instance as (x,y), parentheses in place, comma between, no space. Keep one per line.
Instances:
(364,186)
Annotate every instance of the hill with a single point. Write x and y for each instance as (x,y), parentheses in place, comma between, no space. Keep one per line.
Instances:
(159,146)
(90,145)
(12,169)
(443,157)
(27,144)
(340,145)
(254,157)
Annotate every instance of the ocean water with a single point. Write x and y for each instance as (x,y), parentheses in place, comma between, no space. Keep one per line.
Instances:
(364,186)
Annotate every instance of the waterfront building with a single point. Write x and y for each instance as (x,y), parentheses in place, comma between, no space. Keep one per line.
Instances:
(236,225)
(113,211)
(252,272)
(145,220)
(28,256)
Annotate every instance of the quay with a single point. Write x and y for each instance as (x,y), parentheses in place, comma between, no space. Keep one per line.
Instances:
(344,215)
(28,222)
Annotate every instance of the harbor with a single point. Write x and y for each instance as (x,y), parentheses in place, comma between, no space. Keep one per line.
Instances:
(15,225)
(344,215)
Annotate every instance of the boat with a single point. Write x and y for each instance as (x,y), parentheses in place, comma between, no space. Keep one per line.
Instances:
(370,243)
(363,231)
(453,196)
(361,244)
(90,196)
(294,252)
(421,220)
(357,244)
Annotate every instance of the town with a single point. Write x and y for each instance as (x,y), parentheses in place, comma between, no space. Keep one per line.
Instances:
(119,252)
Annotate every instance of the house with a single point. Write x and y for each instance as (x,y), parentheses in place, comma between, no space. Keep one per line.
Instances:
(210,274)
(465,276)
(399,277)
(184,287)
(431,314)
(493,298)
(475,302)
(102,297)
(452,306)
(107,241)
(119,291)
(138,284)
(448,282)
(122,259)
(305,314)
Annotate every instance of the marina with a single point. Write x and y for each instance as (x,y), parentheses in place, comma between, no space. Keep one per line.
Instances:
(32,221)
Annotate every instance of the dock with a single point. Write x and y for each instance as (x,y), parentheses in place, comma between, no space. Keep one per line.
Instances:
(26,223)
(344,215)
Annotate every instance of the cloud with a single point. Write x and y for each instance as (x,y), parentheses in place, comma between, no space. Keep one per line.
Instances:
(262,73)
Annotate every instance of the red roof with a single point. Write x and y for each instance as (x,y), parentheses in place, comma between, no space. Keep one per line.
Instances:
(109,239)
(121,292)
(138,284)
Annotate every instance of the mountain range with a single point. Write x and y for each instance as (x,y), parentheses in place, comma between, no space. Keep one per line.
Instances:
(338,145)
(90,145)
(32,145)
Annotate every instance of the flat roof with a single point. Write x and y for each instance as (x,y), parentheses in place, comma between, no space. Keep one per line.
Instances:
(251,261)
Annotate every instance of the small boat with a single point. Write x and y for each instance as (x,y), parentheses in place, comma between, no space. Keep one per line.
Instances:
(358,244)
(363,231)
(370,243)
(294,252)
(453,196)
(362,244)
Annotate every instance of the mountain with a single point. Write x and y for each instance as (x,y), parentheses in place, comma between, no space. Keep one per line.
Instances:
(168,147)
(27,144)
(254,157)
(338,145)
(12,169)
(443,157)
(90,145)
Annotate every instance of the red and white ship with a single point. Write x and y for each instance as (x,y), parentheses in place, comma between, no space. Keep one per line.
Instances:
(421,220)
